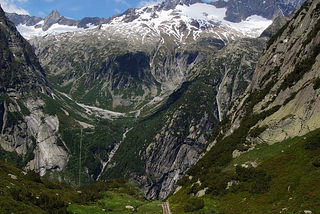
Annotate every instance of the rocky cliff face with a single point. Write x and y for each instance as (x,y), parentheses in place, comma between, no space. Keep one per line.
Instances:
(288,71)
(17,55)
(25,129)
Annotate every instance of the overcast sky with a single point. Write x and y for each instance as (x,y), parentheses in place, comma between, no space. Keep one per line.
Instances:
(75,9)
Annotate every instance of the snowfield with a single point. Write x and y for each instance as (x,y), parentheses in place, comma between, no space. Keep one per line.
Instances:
(29,32)
(208,18)
(195,20)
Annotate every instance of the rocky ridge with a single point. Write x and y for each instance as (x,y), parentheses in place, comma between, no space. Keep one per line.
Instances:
(54,23)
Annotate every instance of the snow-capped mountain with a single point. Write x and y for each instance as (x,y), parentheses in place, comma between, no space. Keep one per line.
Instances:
(178,18)
(184,21)
(54,23)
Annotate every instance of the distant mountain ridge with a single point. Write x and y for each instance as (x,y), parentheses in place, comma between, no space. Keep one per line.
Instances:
(41,26)
(236,12)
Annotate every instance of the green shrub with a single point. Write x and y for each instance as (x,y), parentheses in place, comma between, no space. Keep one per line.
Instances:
(183,181)
(255,132)
(13,118)
(313,142)
(292,96)
(316,84)
(28,156)
(194,204)
(300,69)
(33,176)
(24,110)
(52,106)
(252,180)
(195,188)
(316,162)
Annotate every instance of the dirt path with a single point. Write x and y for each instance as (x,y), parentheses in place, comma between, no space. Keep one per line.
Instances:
(166,208)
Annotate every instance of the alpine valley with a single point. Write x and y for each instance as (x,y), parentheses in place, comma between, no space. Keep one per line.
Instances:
(212,106)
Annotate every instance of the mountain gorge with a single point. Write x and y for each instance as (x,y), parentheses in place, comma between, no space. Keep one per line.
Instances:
(115,68)
(143,94)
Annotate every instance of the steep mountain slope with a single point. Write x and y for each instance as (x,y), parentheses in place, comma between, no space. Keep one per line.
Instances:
(292,78)
(37,123)
(17,55)
(257,161)
(24,125)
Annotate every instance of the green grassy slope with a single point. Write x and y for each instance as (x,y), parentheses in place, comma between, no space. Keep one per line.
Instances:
(293,186)
(22,192)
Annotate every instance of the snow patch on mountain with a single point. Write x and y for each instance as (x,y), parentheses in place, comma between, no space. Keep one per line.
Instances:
(182,21)
(192,20)
(29,32)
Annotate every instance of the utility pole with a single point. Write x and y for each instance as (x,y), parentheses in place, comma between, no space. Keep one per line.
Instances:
(80,158)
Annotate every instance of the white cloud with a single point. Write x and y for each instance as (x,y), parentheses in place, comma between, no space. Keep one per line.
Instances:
(42,14)
(11,6)
(149,3)
(123,2)
(117,10)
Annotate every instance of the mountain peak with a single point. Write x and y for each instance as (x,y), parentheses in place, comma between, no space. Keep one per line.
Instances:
(54,15)
(51,19)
